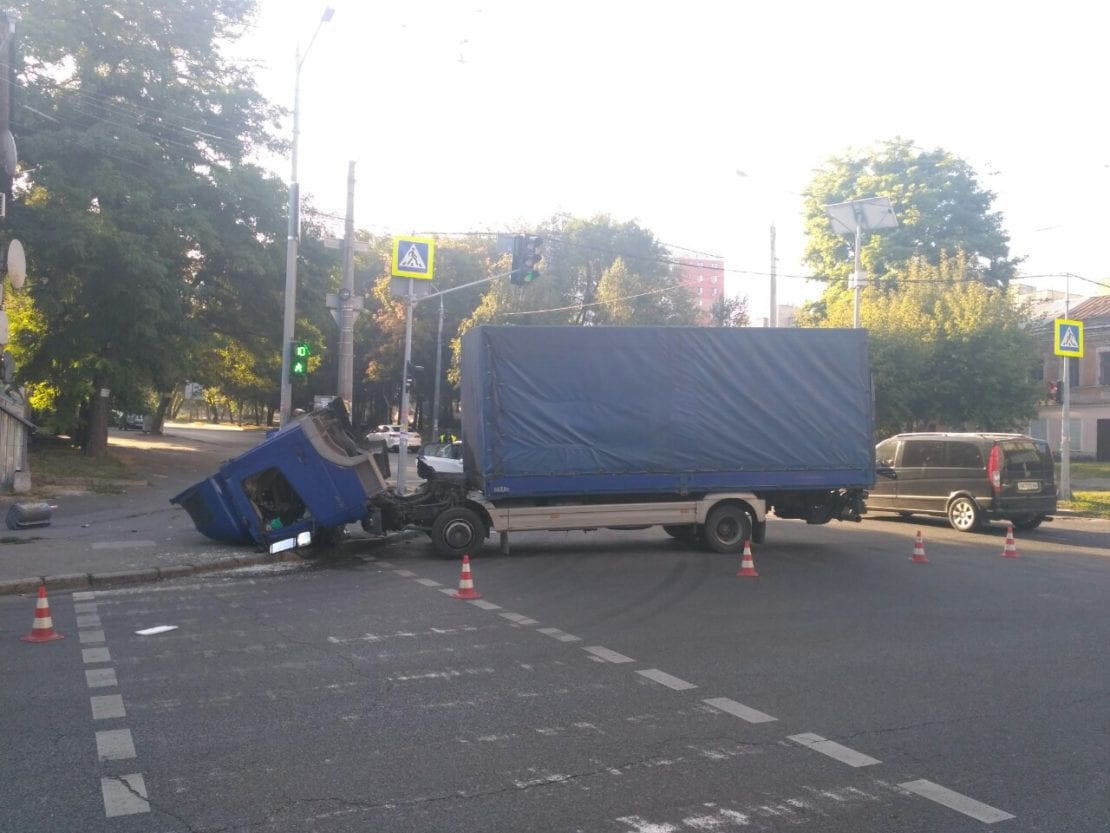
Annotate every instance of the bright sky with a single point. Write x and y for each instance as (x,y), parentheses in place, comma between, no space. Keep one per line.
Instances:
(491,115)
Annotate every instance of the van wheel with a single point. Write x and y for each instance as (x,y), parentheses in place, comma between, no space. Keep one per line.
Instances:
(964,514)
(458,531)
(1030,521)
(727,528)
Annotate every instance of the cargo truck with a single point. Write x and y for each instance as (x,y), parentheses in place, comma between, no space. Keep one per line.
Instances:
(701,431)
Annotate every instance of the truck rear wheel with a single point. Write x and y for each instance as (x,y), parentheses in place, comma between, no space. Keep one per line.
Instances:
(458,531)
(727,527)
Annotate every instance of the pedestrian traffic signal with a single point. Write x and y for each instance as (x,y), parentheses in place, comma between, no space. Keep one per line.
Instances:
(1058,392)
(526,257)
(298,364)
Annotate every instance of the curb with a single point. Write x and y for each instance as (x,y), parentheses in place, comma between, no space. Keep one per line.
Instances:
(117,578)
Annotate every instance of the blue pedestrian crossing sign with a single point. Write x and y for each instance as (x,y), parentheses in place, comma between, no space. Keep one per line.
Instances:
(1069,338)
(412,257)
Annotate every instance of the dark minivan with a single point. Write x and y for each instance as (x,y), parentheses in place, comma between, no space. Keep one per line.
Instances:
(968,478)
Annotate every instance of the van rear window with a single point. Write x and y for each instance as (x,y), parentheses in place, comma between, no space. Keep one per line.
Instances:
(1022,459)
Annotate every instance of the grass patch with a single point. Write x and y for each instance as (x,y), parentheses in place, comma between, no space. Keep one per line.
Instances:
(1095,504)
(56,458)
(1085,470)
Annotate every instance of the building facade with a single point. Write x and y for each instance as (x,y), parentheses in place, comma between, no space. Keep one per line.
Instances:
(1089,386)
(705,278)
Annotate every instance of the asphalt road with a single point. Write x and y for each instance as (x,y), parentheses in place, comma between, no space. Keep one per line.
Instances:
(604,682)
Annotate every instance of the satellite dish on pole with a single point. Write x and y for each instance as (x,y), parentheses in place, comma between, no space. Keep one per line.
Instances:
(17,264)
(8,156)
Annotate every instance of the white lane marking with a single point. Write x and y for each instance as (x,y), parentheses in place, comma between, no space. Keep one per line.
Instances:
(562,636)
(84,596)
(387,564)
(954,801)
(607,655)
(124,795)
(428,582)
(89,655)
(484,605)
(519,618)
(107,706)
(115,745)
(88,620)
(834,750)
(121,545)
(85,607)
(739,710)
(91,636)
(666,679)
(101,677)
(405,573)
(450,591)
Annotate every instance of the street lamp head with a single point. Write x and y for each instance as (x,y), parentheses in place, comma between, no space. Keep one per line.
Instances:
(329,12)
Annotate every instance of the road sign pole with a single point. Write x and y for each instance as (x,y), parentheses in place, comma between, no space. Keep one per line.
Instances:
(1065,435)
(403,420)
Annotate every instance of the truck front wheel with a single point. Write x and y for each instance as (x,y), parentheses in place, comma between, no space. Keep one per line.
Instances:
(458,531)
(727,527)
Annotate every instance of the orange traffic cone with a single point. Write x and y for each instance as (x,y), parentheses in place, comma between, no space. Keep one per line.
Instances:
(43,628)
(747,566)
(919,550)
(1010,551)
(466,583)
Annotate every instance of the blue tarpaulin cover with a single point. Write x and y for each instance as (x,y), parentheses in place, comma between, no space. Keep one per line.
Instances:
(560,411)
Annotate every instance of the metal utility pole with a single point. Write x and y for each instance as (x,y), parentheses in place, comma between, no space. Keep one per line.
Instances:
(345,384)
(1065,413)
(293,236)
(774,319)
(439,357)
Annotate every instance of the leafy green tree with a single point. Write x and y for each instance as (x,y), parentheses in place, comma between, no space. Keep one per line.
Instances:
(940,206)
(946,352)
(140,217)
(729,312)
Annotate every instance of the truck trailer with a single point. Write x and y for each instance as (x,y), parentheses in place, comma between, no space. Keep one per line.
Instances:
(701,431)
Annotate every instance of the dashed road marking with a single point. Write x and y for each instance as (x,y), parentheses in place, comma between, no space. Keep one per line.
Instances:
(107,706)
(90,636)
(124,795)
(834,750)
(519,618)
(84,596)
(428,582)
(405,573)
(607,655)
(484,605)
(115,745)
(562,636)
(122,545)
(101,677)
(739,710)
(88,620)
(955,801)
(90,655)
(666,679)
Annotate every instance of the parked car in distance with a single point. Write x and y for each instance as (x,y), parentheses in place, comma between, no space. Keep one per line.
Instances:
(969,478)
(391,435)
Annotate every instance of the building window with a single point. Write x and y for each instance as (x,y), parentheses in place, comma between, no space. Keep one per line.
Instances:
(701,278)
(1104,367)
(714,279)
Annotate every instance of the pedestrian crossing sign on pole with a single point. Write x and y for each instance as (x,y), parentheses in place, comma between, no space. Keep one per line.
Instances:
(1069,338)
(412,257)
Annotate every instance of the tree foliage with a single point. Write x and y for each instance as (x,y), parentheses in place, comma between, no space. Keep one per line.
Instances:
(946,352)
(941,209)
(145,227)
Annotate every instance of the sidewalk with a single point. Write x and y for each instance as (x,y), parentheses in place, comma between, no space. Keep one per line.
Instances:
(121,532)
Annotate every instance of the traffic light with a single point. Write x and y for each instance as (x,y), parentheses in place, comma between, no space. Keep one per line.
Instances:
(526,257)
(298,360)
(1058,393)
(531,257)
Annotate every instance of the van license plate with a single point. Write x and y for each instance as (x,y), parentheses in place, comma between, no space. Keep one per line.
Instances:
(1028,486)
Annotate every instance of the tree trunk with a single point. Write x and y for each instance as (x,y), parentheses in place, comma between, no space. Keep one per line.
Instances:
(96,437)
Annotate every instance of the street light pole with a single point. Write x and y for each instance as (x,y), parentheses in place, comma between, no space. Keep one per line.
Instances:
(855,217)
(293,235)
